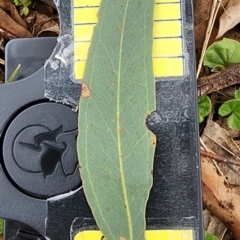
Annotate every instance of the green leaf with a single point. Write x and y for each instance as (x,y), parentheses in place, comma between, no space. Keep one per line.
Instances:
(26,3)
(208,236)
(231,108)
(1,225)
(17,2)
(24,11)
(237,94)
(115,148)
(13,75)
(221,54)
(204,107)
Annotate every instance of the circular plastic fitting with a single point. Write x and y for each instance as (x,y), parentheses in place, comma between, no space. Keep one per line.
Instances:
(39,150)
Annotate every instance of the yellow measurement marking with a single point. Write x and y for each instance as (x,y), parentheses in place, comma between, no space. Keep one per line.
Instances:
(167,29)
(85,15)
(161,49)
(81,50)
(83,33)
(167,11)
(168,60)
(166,1)
(86,3)
(168,67)
(85,19)
(149,235)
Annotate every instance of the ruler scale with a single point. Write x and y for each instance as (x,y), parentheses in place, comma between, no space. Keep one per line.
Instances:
(168,59)
(174,209)
(85,19)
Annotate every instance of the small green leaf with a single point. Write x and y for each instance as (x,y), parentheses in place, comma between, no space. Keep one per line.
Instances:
(204,107)
(17,2)
(231,108)
(237,94)
(221,54)
(208,236)
(1,225)
(26,3)
(24,11)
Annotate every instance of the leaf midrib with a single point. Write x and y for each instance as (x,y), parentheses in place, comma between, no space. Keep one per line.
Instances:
(119,145)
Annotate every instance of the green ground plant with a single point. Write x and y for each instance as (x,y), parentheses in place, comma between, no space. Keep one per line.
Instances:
(204,107)
(219,56)
(208,236)
(23,4)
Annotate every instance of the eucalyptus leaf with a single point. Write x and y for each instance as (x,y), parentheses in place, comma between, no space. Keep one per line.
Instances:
(115,148)
(231,109)
(223,53)
(204,107)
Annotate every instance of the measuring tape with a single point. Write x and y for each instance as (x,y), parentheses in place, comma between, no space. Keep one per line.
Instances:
(168,61)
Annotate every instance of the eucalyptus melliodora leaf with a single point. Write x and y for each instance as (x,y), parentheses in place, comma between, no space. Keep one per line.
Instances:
(115,148)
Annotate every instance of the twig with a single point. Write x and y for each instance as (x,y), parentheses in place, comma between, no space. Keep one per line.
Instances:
(230,160)
(227,150)
(220,80)
(215,7)
(220,145)
(2,61)
(214,162)
(224,233)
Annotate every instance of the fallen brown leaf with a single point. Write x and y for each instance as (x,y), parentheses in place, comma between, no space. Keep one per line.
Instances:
(41,22)
(218,140)
(230,17)
(49,2)
(221,200)
(214,226)
(201,15)
(221,197)
(233,34)
(7,5)
(53,29)
(202,9)
(12,26)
